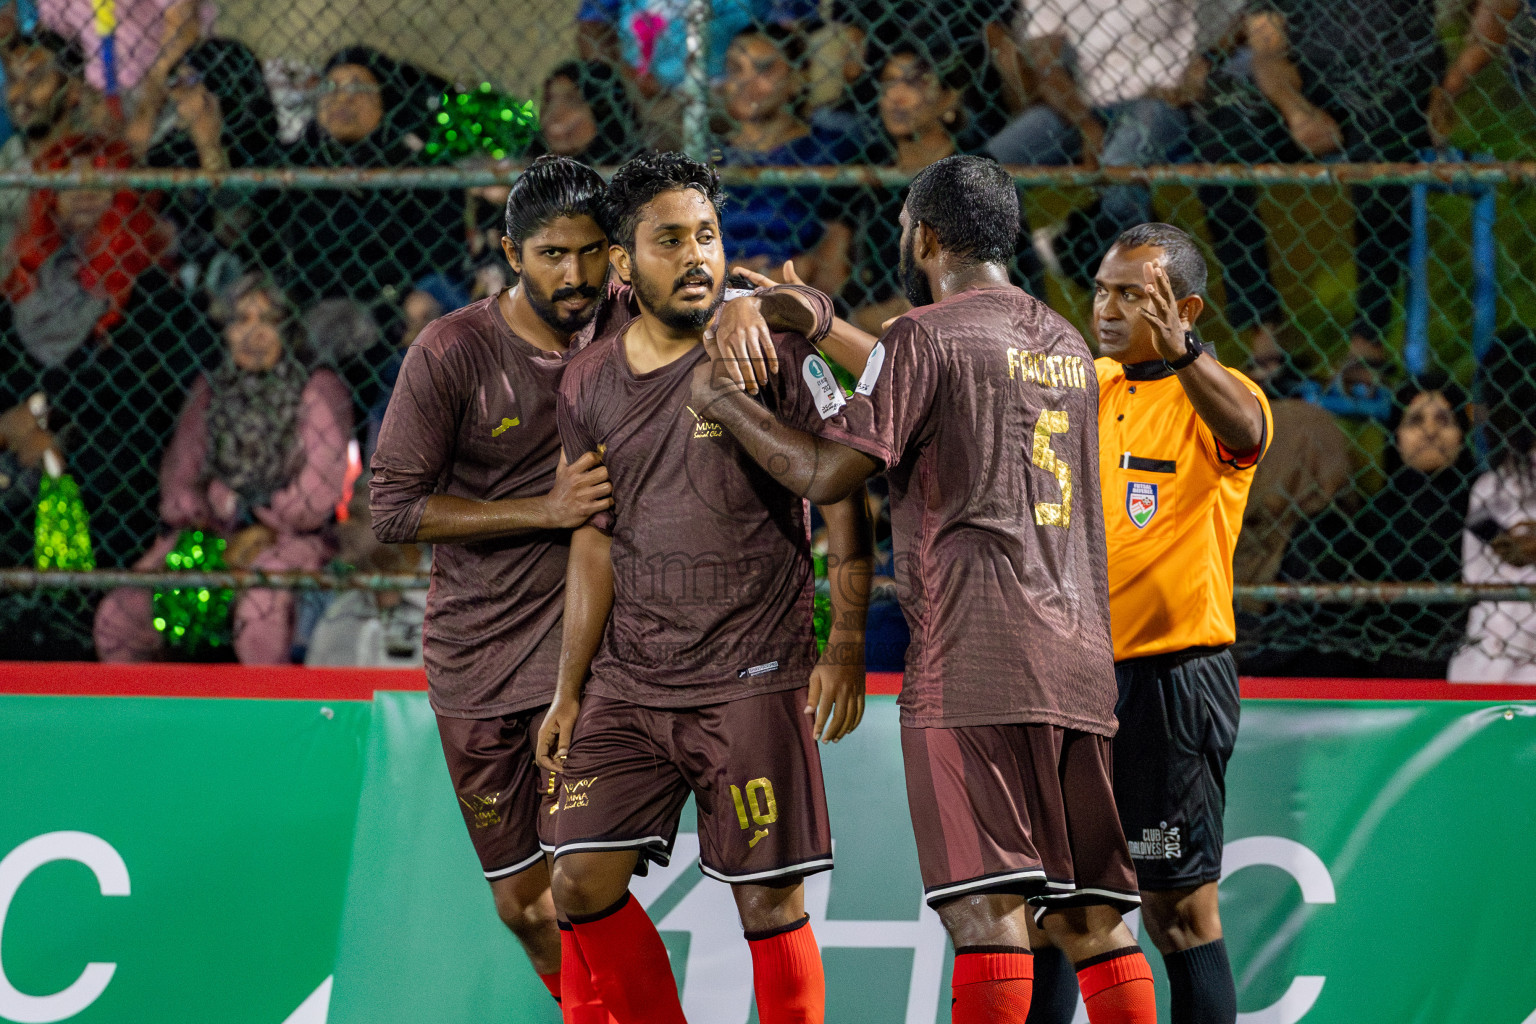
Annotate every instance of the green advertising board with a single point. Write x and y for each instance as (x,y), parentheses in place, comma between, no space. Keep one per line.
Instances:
(294,862)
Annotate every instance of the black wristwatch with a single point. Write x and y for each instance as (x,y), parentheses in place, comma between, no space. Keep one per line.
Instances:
(1192,351)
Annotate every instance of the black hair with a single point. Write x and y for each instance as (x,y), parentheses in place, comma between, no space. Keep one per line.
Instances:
(1183,261)
(971,204)
(552,186)
(644,178)
(788,41)
(68,55)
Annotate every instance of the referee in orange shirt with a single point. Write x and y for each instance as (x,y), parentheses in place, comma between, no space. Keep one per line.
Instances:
(1179,437)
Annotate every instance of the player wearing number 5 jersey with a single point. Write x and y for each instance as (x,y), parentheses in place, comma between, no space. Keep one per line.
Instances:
(981,407)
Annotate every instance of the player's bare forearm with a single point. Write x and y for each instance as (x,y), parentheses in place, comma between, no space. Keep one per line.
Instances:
(848,346)
(581,491)
(588,601)
(785,309)
(1231,411)
(850,564)
(448,519)
(821,471)
(836,691)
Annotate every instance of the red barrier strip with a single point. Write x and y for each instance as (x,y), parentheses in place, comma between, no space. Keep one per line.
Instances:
(87,679)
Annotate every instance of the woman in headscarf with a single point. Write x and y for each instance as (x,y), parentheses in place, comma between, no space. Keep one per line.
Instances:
(1406,532)
(259,458)
(369,244)
(586,115)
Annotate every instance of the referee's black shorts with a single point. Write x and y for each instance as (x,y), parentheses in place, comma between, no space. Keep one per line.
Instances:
(1178,722)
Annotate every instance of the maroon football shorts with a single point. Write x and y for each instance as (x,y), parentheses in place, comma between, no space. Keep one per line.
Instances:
(751,764)
(507,800)
(1024,808)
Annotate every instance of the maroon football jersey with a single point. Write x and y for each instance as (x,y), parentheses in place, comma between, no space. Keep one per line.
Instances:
(711,557)
(984,408)
(473,415)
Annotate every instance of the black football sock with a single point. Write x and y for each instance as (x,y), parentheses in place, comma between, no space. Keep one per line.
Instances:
(1201,986)
(1055,996)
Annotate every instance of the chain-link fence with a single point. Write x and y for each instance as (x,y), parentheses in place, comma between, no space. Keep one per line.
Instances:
(1360,171)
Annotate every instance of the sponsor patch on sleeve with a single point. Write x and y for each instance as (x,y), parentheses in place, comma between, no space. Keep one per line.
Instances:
(872,369)
(818,377)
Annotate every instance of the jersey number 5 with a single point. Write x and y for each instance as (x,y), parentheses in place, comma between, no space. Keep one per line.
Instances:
(1050,513)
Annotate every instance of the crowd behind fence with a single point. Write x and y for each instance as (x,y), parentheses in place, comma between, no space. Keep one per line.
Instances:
(221,225)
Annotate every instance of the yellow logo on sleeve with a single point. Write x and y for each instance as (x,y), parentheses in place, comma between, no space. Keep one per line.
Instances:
(506,424)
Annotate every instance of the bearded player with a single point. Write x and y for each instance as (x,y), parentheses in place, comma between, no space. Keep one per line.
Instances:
(690,603)
(469,460)
(981,405)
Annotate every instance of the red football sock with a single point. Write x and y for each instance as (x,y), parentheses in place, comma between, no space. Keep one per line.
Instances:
(629,965)
(579,1003)
(1117,987)
(991,985)
(552,982)
(787,975)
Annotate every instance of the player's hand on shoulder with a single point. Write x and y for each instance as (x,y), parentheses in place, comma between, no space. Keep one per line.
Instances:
(581,491)
(836,695)
(741,344)
(555,734)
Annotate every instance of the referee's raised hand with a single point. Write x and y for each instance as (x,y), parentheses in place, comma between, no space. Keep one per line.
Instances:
(1162,312)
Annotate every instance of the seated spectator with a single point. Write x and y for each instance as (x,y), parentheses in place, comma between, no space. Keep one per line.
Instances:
(1499,543)
(841,97)
(923,112)
(1499,28)
(217,115)
(647,39)
(95,321)
(259,457)
(45,95)
(143,29)
(368,245)
(585,115)
(1405,533)
(765,225)
(1337,80)
(1111,79)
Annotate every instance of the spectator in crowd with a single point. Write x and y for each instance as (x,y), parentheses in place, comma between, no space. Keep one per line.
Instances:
(647,39)
(143,29)
(369,245)
(95,320)
(216,115)
(1308,464)
(258,457)
(45,95)
(842,97)
(1406,532)
(1499,542)
(1320,80)
(586,115)
(765,225)
(1113,79)
(924,114)
(1489,38)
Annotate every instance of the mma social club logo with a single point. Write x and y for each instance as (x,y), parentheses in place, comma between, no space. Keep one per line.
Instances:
(1140,503)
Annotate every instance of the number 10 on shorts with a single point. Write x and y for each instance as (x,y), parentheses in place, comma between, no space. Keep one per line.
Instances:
(759,803)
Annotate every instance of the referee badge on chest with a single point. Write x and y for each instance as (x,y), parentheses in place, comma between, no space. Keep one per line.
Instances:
(1140,502)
